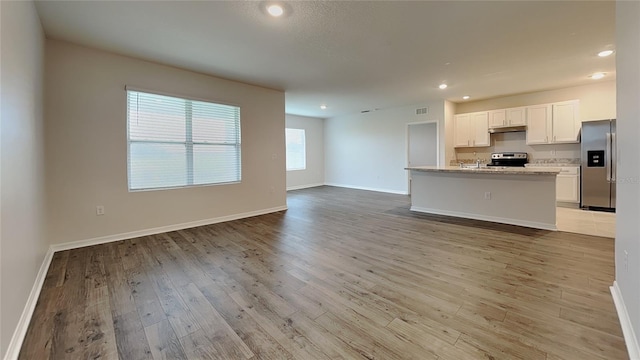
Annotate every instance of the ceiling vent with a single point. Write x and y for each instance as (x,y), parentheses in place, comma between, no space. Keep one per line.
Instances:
(422,111)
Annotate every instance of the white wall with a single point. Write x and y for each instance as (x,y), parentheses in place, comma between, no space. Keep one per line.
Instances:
(628,133)
(597,102)
(86,146)
(23,241)
(368,151)
(313,175)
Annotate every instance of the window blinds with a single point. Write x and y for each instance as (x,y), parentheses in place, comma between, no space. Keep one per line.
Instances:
(177,142)
(296,149)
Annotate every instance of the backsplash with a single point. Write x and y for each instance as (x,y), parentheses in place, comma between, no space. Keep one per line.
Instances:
(516,142)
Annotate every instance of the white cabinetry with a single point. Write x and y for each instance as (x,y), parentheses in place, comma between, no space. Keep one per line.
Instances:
(555,123)
(568,185)
(517,116)
(538,124)
(507,117)
(497,118)
(472,130)
(566,122)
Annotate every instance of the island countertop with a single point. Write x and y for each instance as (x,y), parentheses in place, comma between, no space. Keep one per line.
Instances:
(488,170)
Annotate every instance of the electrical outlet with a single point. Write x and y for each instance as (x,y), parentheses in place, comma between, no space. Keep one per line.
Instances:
(487,195)
(99,210)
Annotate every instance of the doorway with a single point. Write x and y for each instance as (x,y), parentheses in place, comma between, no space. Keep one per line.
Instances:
(422,145)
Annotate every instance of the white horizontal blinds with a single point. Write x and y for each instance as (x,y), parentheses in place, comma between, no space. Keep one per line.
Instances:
(175,142)
(296,149)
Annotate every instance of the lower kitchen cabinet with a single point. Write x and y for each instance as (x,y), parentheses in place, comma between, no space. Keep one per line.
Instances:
(568,185)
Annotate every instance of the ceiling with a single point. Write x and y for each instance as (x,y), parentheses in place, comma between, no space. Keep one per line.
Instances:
(356,55)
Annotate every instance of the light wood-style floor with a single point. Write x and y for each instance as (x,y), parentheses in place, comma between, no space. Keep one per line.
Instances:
(343,274)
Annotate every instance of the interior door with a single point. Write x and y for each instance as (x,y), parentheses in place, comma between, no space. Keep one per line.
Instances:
(423,144)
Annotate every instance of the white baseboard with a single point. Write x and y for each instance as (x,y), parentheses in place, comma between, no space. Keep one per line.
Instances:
(23,324)
(20,332)
(625,322)
(161,229)
(531,224)
(400,192)
(298,187)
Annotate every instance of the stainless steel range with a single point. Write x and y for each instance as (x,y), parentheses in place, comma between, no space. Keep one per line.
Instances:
(516,159)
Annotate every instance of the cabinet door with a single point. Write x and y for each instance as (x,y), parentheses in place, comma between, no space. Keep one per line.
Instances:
(461,130)
(480,127)
(516,116)
(566,122)
(538,124)
(497,118)
(567,188)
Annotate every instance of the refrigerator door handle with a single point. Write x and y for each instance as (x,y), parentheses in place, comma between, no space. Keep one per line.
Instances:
(607,157)
(614,146)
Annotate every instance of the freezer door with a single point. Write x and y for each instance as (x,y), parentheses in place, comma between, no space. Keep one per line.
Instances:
(596,173)
(614,159)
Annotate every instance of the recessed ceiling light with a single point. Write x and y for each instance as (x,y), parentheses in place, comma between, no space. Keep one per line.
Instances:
(466,97)
(275,10)
(323,107)
(605,53)
(597,76)
(443,86)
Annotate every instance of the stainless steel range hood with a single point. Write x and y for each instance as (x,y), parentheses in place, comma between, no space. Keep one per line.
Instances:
(507,129)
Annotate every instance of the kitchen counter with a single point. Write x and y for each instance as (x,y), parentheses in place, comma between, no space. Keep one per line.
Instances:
(489,170)
(517,196)
(545,165)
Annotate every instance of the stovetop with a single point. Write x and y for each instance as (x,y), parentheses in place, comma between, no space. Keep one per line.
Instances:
(512,159)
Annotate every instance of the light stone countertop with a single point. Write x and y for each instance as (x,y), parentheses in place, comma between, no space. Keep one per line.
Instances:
(550,165)
(489,170)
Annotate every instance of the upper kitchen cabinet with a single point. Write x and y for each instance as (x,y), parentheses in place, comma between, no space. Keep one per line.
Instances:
(538,124)
(497,118)
(507,117)
(555,123)
(472,130)
(517,116)
(566,121)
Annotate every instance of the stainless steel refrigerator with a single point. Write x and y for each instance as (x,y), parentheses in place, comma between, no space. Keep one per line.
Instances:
(598,180)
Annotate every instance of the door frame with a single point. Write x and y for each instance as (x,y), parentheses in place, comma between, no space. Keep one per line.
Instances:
(406,159)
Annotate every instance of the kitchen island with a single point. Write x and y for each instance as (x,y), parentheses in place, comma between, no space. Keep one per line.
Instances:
(511,195)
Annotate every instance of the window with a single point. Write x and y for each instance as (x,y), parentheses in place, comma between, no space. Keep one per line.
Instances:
(296,152)
(175,142)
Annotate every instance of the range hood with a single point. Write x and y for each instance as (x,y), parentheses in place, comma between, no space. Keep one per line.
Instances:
(507,129)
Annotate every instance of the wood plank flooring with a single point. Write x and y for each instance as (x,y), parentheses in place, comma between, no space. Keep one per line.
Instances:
(343,274)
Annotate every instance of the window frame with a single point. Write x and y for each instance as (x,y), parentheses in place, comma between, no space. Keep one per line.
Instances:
(304,149)
(188,143)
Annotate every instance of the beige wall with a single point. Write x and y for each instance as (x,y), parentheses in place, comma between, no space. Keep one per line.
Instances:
(369,151)
(597,101)
(450,151)
(23,242)
(628,176)
(86,146)
(313,175)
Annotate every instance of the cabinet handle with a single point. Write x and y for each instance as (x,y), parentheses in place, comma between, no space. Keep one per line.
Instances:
(554,138)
